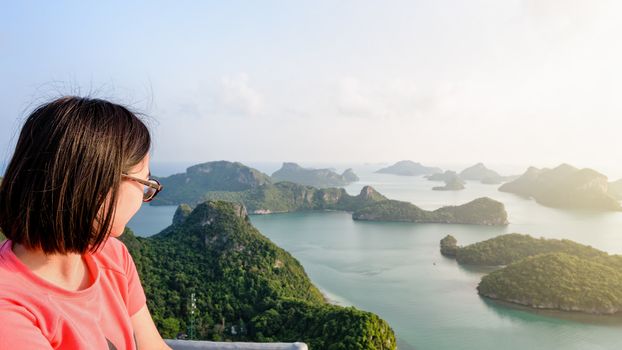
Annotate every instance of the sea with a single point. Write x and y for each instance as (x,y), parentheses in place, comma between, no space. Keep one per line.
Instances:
(396,270)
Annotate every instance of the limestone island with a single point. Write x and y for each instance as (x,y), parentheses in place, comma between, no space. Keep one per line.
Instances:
(243,285)
(320,178)
(557,281)
(260,195)
(448,174)
(545,273)
(508,248)
(236,182)
(409,168)
(565,187)
(288,197)
(190,187)
(479,172)
(615,189)
(481,211)
(453,182)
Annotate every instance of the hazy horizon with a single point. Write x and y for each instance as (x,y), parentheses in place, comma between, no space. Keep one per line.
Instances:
(165,168)
(521,82)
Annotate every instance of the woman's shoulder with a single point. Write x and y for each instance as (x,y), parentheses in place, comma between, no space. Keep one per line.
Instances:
(9,280)
(8,264)
(14,280)
(113,255)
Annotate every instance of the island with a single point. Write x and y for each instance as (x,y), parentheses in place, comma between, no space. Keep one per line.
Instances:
(320,178)
(189,187)
(235,181)
(349,176)
(245,287)
(447,175)
(544,273)
(479,172)
(261,196)
(285,197)
(481,211)
(409,168)
(453,182)
(615,189)
(449,246)
(565,187)
(557,281)
(508,248)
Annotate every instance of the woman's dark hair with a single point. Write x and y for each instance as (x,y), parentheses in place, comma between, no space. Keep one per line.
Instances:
(60,188)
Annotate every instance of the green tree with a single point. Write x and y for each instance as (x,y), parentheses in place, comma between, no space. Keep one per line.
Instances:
(170,328)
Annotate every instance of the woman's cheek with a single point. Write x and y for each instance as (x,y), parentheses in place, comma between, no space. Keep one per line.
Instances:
(128,204)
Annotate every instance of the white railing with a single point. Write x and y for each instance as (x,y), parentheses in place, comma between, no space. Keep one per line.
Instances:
(210,345)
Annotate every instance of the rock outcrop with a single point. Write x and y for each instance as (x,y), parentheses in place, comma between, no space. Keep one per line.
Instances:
(449,246)
(190,186)
(565,187)
(453,182)
(479,172)
(236,273)
(320,178)
(409,168)
(481,211)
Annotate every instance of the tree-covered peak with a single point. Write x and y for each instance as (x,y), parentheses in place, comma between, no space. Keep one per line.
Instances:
(212,210)
(246,288)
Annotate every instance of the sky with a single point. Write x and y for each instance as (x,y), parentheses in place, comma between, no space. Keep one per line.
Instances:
(525,82)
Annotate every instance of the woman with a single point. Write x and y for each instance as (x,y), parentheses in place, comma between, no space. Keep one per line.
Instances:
(80,171)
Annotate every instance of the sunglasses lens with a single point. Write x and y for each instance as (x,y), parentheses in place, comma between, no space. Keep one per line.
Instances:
(148,193)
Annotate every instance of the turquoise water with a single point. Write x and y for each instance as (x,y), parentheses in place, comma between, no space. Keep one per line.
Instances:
(396,270)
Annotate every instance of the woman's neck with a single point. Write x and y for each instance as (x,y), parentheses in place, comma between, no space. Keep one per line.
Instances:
(68,271)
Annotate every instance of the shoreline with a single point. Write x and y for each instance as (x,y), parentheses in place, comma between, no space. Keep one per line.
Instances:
(332,299)
(572,316)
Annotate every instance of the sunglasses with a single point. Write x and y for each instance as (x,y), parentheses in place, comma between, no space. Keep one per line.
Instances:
(151,187)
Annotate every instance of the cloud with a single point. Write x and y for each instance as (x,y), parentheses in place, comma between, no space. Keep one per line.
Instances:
(393,98)
(228,96)
(558,21)
(356,99)
(238,97)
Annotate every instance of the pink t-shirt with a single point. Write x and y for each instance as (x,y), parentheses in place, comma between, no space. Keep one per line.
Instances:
(36,314)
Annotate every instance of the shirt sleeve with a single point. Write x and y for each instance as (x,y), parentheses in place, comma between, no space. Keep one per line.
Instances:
(136,295)
(19,329)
